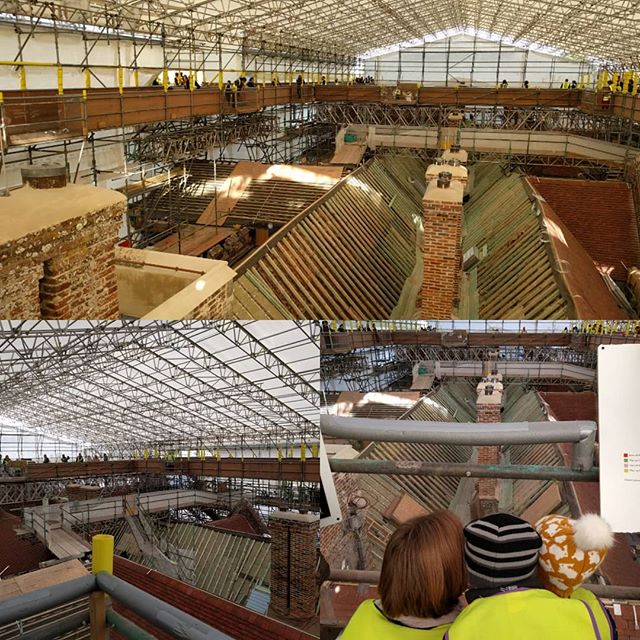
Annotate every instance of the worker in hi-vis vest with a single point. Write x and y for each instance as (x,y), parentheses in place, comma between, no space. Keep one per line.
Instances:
(514,578)
(422,578)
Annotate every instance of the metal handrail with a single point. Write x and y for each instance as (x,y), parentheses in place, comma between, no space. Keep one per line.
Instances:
(373,577)
(171,620)
(581,433)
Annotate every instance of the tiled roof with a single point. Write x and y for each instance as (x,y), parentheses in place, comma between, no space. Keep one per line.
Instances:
(516,278)
(571,405)
(19,555)
(429,492)
(583,282)
(236,523)
(349,257)
(531,265)
(600,215)
(230,618)
(388,405)
(523,405)
(226,563)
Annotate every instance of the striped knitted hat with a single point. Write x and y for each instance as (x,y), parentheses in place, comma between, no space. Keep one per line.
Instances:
(501,550)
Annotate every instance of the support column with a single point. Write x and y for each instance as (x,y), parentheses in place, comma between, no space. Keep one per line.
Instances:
(488,407)
(294,588)
(442,205)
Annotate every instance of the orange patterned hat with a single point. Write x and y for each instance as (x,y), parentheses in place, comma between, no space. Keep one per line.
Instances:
(571,550)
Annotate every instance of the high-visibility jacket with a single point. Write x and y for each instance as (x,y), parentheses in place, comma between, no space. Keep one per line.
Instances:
(369,623)
(533,614)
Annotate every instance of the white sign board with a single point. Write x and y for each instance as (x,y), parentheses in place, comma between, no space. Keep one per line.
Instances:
(619,434)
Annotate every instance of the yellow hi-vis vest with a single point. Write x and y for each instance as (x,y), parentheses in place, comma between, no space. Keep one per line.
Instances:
(533,614)
(368,623)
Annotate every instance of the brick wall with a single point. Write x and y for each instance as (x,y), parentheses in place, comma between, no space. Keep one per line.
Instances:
(214,307)
(20,287)
(442,250)
(488,410)
(64,269)
(228,617)
(294,557)
(341,545)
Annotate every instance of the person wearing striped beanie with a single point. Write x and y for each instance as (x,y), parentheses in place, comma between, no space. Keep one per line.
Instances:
(501,552)
(506,599)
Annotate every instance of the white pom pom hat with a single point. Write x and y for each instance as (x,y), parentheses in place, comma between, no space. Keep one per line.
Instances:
(571,550)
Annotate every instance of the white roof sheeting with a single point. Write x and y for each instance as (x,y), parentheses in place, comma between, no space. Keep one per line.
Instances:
(132,384)
(602,30)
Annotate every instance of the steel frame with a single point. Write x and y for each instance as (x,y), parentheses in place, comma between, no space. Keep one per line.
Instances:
(119,386)
(380,368)
(568,120)
(603,32)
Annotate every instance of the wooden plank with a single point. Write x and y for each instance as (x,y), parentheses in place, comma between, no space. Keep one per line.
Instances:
(42,578)
(194,240)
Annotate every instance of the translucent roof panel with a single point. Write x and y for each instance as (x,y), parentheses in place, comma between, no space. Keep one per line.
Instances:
(184,383)
(600,30)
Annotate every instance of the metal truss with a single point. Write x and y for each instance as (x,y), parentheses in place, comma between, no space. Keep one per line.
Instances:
(262,134)
(121,386)
(176,141)
(590,168)
(381,368)
(582,357)
(19,494)
(272,493)
(575,121)
(604,31)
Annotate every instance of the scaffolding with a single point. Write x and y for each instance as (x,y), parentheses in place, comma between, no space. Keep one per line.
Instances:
(364,361)
(237,389)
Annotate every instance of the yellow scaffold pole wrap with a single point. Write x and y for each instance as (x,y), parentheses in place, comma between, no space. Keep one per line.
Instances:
(614,80)
(303,452)
(120,81)
(165,79)
(60,81)
(191,81)
(101,562)
(136,78)
(314,450)
(23,79)
(102,554)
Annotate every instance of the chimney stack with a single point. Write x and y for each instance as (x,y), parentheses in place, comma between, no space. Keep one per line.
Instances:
(294,589)
(488,407)
(442,205)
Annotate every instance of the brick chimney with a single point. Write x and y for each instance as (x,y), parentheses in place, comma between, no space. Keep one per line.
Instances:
(454,152)
(57,248)
(294,588)
(442,205)
(488,406)
(457,170)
